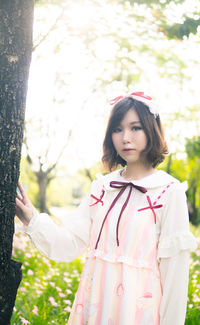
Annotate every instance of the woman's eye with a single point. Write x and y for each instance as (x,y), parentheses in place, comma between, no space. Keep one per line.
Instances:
(136,128)
(117,130)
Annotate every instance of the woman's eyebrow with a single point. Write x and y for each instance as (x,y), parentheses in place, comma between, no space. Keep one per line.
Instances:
(135,122)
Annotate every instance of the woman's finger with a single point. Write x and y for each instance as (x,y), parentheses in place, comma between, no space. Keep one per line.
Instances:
(19,196)
(23,193)
(19,204)
(21,189)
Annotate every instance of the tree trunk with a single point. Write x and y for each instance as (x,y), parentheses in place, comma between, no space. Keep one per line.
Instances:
(43,182)
(15,46)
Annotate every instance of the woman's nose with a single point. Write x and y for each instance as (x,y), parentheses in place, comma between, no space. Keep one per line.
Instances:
(126,136)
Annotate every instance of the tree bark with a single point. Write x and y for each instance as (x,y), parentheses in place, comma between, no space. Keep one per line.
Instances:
(16,18)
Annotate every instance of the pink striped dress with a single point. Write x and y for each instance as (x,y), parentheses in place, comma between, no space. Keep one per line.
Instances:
(120,283)
(137,241)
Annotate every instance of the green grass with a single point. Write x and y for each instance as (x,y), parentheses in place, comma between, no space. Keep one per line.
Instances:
(47,291)
(193,307)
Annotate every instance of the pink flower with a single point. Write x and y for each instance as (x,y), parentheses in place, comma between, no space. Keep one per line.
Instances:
(68,309)
(58,289)
(68,302)
(24,321)
(30,272)
(198,252)
(38,292)
(62,294)
(68,291)
(52,284)
(23,289)
(35,310)
(52,301)
(46,261)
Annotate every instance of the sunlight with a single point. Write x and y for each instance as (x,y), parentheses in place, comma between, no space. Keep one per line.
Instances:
(77,69)
(81,16)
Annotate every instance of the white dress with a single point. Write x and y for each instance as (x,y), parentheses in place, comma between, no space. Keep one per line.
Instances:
(137,241)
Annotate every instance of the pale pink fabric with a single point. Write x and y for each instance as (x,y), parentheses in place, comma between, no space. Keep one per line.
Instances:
(123,282)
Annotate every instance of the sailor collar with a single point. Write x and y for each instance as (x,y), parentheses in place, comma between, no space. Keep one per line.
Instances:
(157,179)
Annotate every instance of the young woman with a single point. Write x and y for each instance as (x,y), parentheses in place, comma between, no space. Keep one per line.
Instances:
(134,225)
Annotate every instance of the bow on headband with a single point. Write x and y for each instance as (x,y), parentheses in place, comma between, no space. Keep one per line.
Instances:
(140,96)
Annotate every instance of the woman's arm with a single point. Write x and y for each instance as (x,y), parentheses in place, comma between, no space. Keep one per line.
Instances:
(60,243)
(174,273)
(175,243)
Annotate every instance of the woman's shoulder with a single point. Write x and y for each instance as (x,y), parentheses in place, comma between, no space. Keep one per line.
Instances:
(160,180)
(103,180)
(165,179)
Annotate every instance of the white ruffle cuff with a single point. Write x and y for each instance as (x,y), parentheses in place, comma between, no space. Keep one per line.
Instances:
(172,245)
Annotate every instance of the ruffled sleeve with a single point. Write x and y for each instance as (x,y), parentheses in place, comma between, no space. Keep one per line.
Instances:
(175,243)
(61,243)
(175,235)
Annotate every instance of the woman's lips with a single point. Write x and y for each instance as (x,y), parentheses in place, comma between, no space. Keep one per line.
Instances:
(127,150)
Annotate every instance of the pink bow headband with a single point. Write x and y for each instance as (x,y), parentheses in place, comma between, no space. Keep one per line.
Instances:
(140,96)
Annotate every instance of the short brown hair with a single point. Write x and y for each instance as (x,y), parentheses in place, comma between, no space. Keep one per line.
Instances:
(156,147)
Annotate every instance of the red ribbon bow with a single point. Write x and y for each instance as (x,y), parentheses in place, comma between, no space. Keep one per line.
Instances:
(139,94)
(96,198)
(152,207)
(122,186)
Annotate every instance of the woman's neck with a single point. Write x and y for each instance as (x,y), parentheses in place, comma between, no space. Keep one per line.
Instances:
(137,171)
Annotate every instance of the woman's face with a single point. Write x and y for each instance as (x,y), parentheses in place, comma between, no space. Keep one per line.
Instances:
(129,138)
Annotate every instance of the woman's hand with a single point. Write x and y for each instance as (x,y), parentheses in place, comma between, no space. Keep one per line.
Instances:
(24,208)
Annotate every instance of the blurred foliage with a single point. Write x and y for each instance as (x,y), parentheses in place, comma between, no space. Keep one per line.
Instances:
(189,26)
(163,3)
(193,149)
(193,161)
